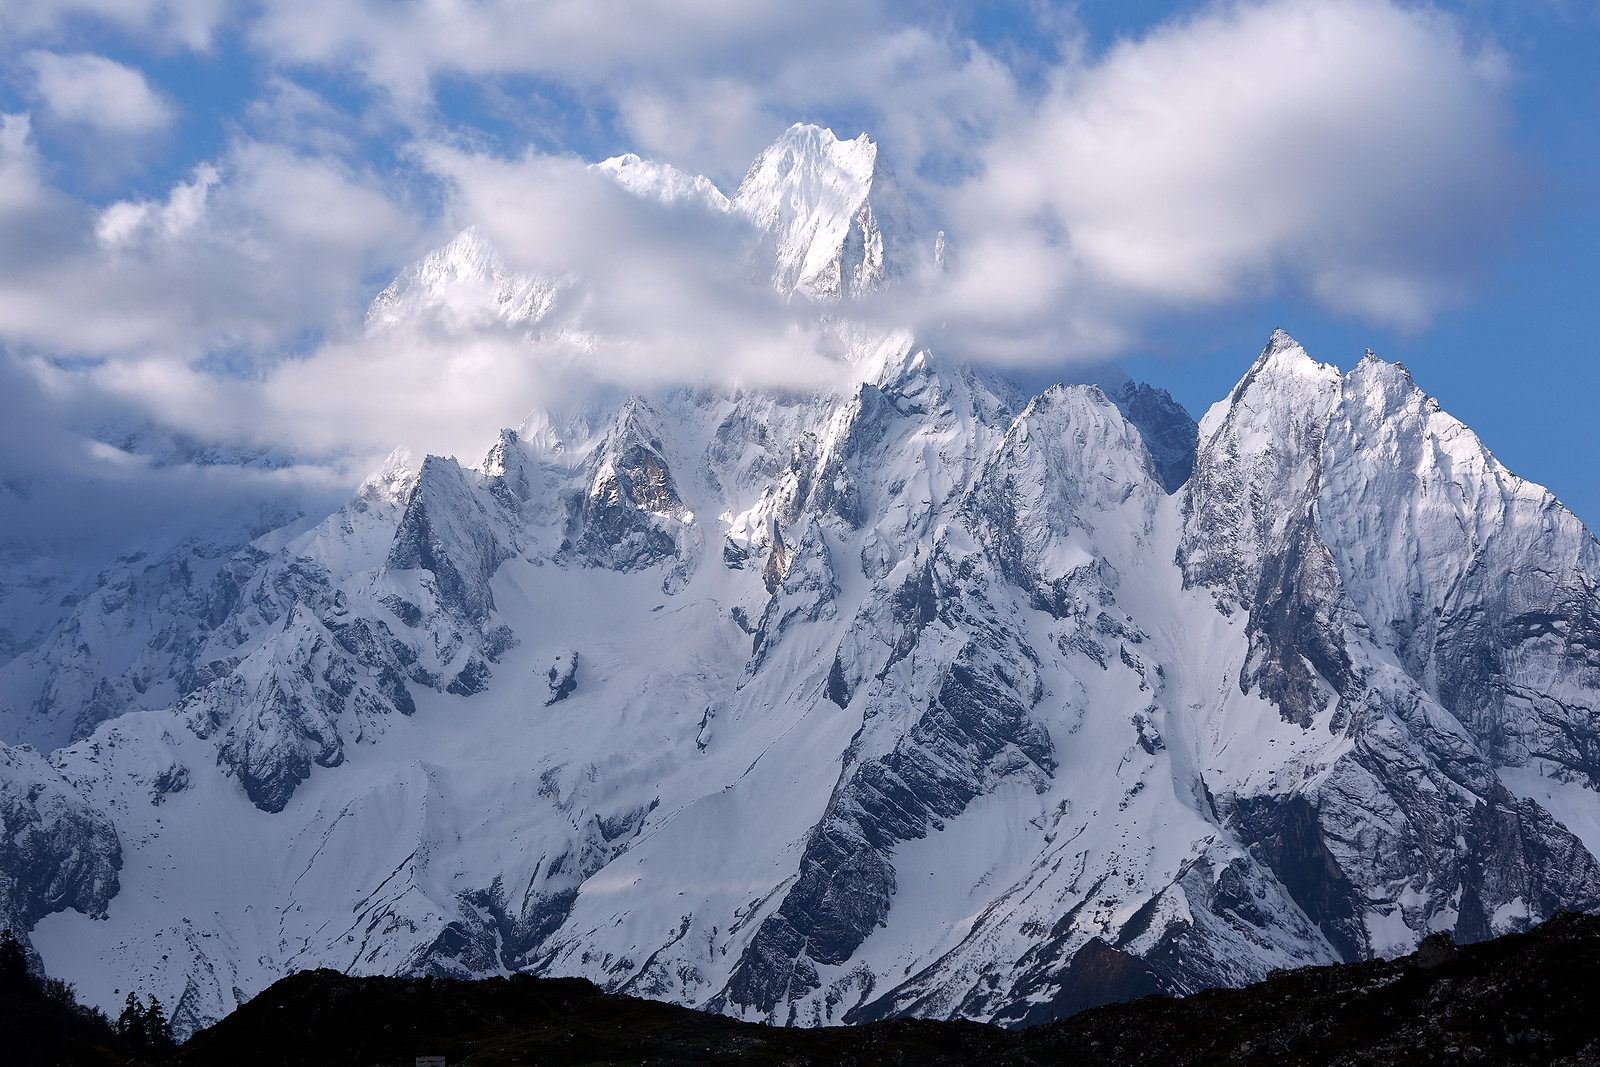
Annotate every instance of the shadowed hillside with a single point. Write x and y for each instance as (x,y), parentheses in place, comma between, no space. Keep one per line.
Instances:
(1529,998)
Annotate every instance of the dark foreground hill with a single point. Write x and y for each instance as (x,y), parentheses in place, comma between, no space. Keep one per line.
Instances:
(1529,998)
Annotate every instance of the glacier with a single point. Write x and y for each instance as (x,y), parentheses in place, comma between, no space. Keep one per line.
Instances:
(826,705)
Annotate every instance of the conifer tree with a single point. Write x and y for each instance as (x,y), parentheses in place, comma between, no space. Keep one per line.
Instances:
(131,1023)
(157,1029)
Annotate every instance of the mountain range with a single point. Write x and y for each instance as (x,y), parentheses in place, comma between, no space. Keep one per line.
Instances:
(913,696)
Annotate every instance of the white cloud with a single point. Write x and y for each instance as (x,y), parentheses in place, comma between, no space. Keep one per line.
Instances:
(121,223)
(661,294)
(97,92)
(78,500)
(926,96)
(127,222)
(1350,148)
(185,23)
(403,44)
(704,84)
(1354,149)
(652,294)
(20,188)
(244,256)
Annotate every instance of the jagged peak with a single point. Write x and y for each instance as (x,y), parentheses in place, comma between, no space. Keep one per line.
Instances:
(506,464)
(662,182)
(1283,357)
(448,472)
(832,220)
(804,149)
(1370,362)
(637,416)
(1072,395)
(503,455)
(469,254)
(1390,387)
(637,424)
(1283,352)
(464,281)
(1061,453)
(394,479)
(1375,375)
(809,168)
(1065,407)
(1068,404)
(1281,341)
(832,210)
(1283,383)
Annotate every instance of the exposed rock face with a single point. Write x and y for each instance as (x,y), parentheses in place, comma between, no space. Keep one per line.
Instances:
(563,675)
(446,531)
(1377,507)
(917,696)
(631,517)
(1482,583)
(1169,432)
(56,850)
(1250,532)
(975,731)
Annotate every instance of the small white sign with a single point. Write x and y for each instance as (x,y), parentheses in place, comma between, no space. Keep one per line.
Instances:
(430,1061)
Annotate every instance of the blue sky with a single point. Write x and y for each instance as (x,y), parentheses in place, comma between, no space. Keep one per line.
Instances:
(198,198)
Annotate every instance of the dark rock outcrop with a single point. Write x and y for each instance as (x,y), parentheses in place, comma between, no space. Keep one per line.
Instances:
(56,850)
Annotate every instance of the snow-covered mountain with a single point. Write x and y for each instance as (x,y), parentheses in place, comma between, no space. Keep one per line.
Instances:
(918,696)
(833,217)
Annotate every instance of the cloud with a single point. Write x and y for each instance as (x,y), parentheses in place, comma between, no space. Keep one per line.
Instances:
(159,319)
(183,23)
(128,223)
(97,92)
(402,45)
(66,494)
(931,99)
(103,113)
(244,256)
(179,313)
(1353,150)
(704,84)
(21,191)
(647,294)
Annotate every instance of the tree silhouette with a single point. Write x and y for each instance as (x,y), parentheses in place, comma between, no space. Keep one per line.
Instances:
(15,981)
(144,1028)
(157,1030)
(40,1016)
(131,1024)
